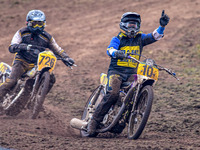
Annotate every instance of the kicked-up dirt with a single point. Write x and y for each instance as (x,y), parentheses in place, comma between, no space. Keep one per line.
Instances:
(84,28)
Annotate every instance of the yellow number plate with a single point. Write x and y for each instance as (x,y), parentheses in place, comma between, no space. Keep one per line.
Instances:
(4,67)
(148,71)
(46,59)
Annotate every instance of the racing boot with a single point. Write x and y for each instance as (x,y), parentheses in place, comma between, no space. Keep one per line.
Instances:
(1,111)
(92,126)
(1,108)
(2,94)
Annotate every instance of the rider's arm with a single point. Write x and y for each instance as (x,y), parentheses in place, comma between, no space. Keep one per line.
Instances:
(16,40)
(156,35)
(60,52)
(57,49)
(112,48)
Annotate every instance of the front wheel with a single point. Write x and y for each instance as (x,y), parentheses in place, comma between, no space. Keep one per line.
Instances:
(140,115)
(90,107)
(41,94)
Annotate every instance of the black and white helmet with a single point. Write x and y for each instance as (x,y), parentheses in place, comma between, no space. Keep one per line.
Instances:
(130,23)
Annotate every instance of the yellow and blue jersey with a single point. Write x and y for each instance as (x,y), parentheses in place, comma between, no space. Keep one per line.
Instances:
(130,45)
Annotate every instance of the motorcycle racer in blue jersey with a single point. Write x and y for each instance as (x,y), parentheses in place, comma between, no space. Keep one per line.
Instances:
(129,40)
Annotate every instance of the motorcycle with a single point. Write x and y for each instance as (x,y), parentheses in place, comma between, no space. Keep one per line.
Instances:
(32,88)
(133,106)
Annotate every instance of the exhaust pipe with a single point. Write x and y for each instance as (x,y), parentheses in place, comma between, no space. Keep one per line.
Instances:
(78,124)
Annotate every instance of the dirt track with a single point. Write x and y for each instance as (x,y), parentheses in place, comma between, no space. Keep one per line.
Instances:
(84,29)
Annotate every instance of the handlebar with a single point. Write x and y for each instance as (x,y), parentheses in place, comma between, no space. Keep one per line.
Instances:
(36,51)
(169,71)
(60,58)
(129,57)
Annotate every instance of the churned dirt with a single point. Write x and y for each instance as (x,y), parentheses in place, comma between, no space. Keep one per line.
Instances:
(84,28)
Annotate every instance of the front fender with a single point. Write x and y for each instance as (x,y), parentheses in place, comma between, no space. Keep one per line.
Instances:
(45,69)
(149,82)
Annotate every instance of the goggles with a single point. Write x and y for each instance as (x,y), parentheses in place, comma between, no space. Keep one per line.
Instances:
(35,24)
(131,24)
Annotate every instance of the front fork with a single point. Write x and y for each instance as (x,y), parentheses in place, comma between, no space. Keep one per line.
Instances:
(132,102)
(135,98)
(35,87)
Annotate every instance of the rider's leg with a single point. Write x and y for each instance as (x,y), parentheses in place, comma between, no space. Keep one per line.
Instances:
(17,70)
(114,83)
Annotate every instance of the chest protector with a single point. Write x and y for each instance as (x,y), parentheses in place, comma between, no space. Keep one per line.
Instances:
(127,45)
(41,40)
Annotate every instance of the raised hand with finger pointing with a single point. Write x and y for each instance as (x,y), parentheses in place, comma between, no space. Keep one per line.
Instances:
(164,19)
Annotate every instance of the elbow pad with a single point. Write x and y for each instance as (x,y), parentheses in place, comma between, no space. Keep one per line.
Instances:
(14,48)
(158,33)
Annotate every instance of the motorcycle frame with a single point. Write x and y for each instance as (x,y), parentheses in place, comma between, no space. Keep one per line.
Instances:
(140,84)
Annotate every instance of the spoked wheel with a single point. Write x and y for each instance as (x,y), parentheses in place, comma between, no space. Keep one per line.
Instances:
(139,117)
(16,99)
(1,78)
(41,94)
(90,107)
(14,102)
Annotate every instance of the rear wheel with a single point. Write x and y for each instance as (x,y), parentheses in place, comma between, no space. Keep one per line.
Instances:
(41,94)
(1,78)
(17,98)
(139,117)
(90,107)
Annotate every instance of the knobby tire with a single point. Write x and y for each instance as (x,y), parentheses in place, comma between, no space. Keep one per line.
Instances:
(132,134)
(82,132)
(41,94)
(15,107)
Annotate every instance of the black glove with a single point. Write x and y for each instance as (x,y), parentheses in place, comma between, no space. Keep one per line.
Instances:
(68,61)
(24,47)
(37,47)
(28,47)
(164,19)
(120,54)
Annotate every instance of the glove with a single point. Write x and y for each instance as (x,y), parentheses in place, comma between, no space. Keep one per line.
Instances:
(37,47)
(164,19)
(28,47)
(24,47)
(120,54)
(68,61)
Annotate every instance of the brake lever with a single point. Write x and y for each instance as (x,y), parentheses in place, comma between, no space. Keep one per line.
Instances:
(168,71)
(172,73)
(72,65)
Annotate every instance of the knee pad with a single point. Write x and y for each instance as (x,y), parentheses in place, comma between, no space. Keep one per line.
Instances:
(115,84)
